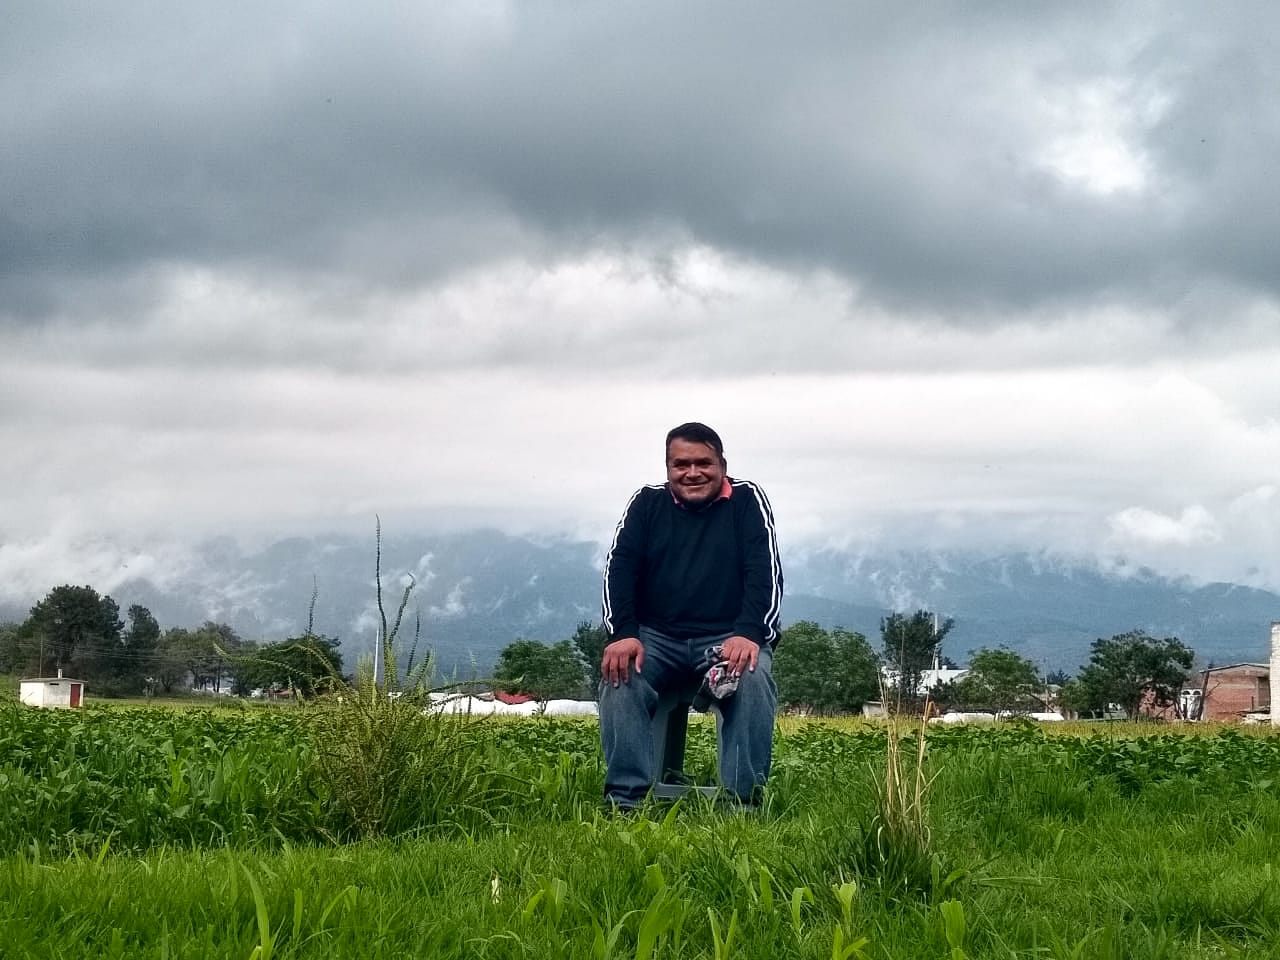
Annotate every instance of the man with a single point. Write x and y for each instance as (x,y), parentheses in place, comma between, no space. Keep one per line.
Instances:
(693,566)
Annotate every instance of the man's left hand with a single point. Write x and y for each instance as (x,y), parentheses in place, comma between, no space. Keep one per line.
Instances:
(741,653)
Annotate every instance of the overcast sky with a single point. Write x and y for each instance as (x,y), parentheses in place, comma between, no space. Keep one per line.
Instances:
(964,275)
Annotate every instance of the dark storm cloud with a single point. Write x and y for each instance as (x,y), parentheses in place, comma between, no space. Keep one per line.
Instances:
(365,149)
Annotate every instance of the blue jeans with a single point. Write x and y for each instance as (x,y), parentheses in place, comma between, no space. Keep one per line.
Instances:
(744,721)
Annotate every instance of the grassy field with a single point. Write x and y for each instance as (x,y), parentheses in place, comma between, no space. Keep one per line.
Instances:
(296,833)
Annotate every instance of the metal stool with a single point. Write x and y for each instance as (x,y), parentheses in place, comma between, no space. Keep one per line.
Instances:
(670,728)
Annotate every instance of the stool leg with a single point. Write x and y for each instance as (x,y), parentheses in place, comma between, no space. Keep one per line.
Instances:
(671,742)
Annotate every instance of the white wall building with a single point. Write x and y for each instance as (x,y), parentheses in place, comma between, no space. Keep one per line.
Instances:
(928,678)
(56,691)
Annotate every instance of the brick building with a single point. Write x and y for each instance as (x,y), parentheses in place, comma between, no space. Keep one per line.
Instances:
(1228,693)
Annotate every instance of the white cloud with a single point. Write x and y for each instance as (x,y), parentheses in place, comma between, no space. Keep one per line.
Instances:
(1093,135)
(1036,454)
(30,566)
(1137,525)
(454,604)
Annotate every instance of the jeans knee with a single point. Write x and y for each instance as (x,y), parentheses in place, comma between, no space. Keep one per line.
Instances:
(625,697)
(757,686)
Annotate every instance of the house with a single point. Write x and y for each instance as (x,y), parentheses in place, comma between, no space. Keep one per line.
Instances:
(929,681)
(56,691)
(940,675)
(928,678)
(511,698)
(1227,693)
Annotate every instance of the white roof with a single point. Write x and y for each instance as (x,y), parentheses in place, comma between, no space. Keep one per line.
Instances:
(50,680)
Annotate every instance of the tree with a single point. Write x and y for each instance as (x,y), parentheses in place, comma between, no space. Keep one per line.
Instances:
(999,680)
(589,640)
(74,626)
(1074,696)
(170,665)
(1056,677)
(122,667)
(227,647)
(243,679)
(802,667)
(857,670)
(17,653)
(205,653)
(544,672)
(307,664)
(910,646)
(197,655)
(143,636)
(223,647)
(826,671)
(1132,669)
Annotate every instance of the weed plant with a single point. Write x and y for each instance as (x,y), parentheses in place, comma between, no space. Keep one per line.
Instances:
(393,765)
(392,761)
(896,850)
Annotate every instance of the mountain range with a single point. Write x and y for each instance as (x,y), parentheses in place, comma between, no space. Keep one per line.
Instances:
(475,592)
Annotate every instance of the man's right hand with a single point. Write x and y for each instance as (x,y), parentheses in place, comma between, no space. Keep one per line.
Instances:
(617,660)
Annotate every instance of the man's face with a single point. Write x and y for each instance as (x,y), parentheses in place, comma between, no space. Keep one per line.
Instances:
(694,471)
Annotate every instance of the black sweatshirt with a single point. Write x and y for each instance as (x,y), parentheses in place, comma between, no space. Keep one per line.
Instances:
(695,572)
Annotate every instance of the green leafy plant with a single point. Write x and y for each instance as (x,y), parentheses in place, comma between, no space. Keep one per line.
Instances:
(266,938)
(954,927)
(799,896)
(847,950)
(551,900)
(844,944)
(662,918)
(722,943)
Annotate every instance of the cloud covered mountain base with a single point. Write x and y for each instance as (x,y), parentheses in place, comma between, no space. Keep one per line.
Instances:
(475,592)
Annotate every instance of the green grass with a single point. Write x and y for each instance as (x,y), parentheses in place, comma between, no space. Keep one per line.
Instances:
(1041,846)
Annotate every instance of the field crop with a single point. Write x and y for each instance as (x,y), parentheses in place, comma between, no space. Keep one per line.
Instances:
(156,833)
(74,780)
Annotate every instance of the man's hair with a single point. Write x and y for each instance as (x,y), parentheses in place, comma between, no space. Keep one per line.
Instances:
(695,432)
